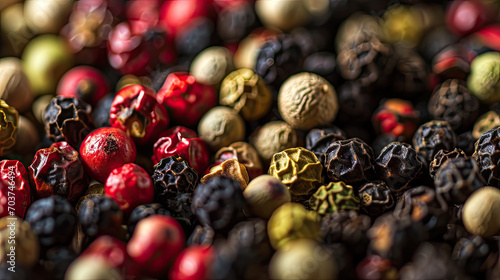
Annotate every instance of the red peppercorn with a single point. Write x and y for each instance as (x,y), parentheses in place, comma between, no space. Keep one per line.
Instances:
(465,16)
(185,143)
(130,186)
(85,83)
(397,117)
(156,241)
(185,98)
(193,263)
(176,16)
(135,111)
(114,252)
(142,15)
(105,149)
(15,192)
(58,170)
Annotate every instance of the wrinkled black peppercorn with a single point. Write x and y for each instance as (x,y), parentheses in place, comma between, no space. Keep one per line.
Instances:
(432,137)
(441,157)
(144,211)
(100,215)
(202,235)
(318,140)
(475,254)
(376,198)
(173,176)
(487,155)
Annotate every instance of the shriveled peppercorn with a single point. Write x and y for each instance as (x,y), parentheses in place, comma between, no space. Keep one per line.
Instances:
(485,122)
(375,198)
(230,168)
(9,118)
(349,160)
(173,176)
(144,211)
(202,235)
(474,253)
(57,260)
(318,140)
(334,197)
(432,137)
(245,153)
(441,157)
(251,236)
(100,215)
(487,152)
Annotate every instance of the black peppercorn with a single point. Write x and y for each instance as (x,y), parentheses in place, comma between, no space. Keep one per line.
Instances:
(452,102)
(410,76)
(323,64)
(457,178)
(53,220)
(465,141)
(56,262)
(474,255)
(318,140)
(251,236)
(173,176)
(195,37)
(432,137)
(219,203)
(441,157)
(349,161)
(100,113)
(68,119)
(397,165)
(356,103)
(180,209)
(202,235)
(487,155)
(383,140)
(235,21)
(100,215)
(144,211)
(376,198)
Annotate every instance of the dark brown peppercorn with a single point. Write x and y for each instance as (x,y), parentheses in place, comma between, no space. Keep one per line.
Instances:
(376,198)
(457,179)
(465,141)
(318,140)
(475,254)
(173,176)
(356,103)
(410,76)
(487,155)
(68,119)
(144,211)
(432,137)
(397,165)
(202,235)
(100,215)
(251,235)
(349,161)
(441,157)
(452,102)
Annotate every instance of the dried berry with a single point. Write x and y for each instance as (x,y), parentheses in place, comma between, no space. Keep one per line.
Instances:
(221,126)
(230,168)
(180,208)
(356,102)
(100,113)
(452,102)
(84,83)
(245,153)
(219,203)
(299,170)
(100,215)
(410,78)
(143,211)
(453,61)
(334,197)
(265,194)
(474,253)
(376,198)
(14,188)
(441,157)
(397,165)
(272,138)
(58,170)
(251,236)
(485,122)
(487,155)
(480,212)
(53,220)
(8,127)
(199,259)
(432,137)
(202,235)
(173,176)
(68,119)
(349,161)
(397,117)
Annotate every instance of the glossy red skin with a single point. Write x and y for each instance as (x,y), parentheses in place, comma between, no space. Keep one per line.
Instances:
(113,252)
(193,263)
(138,100)
(489,36)
(105,149)
(466,16)
(62,159)
(185,98)
(185,143)
(130,186)
(13,170)
(396,117)
(142,15)
(156,242)
(75,79)
(176,16)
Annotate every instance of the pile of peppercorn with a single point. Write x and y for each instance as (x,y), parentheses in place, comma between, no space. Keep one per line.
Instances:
(249,139)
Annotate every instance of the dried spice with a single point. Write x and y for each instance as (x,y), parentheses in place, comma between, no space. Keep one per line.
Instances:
(334,197)
(245,153)
(457,179)
(144,211)
(318,140)
(475,254)
(100,215)
(410,78)
(265,194)
(251,236)
(68,119)
(272,138)
(485,122)
(202,235)
(14,183)
(431,137)
(230,168)
(173,176)
(480,212)
(299,169)
(8,127)
(397,117)
(375,198)
(349,161)
(441,157)
(221,126)
(484,78)
(487,151)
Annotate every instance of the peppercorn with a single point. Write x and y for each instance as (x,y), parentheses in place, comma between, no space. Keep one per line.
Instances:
(334,197)
(84,83)
(485,122)
(180,209)
(202,235)
(356,28)
(485,153)
(43,17)
(453,62)
(219,203)
(68,119)
(58,170)
(284,16)
(356,102)
(14,85)
(147,245)
(53,220)
(8,127)
(441,157)
(56,262)
(15,187)
(18,232)
(193,262)
(105,149)
(375,198)
(397,165)
(349,161)
(397,117)
(265,194)
(272,138)
(374,265)
(173,176)
(144,211)
(291,221)
(100,215)
(186,98)
(220,127)
(480,212)
(230,168)
(299,170)
(235,21)
(452,102)
(211,65)
(410,77)
(473,254)
(79,269)
(403,25)
(251,235)
(130,186)
(245,153)
(180,141)
(100,113)
(484,77)
(247,93)
(479,13)
(318,140)
(465,141)
(431,137)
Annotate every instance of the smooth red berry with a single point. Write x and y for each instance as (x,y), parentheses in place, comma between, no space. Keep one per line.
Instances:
(85,83)
(15,192)
(105,149)
(156,241)
(193,263)
(130,186)
(465,16)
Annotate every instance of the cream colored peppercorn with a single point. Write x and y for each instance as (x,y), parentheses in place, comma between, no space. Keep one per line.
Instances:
(481,212)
